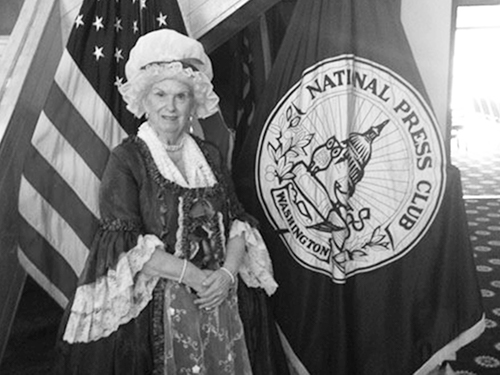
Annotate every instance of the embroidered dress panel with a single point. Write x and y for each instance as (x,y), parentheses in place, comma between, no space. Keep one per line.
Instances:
(197,341)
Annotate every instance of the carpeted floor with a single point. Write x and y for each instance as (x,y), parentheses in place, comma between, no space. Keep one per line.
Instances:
(479,164)
(30,348)
(480,171)
(482,357)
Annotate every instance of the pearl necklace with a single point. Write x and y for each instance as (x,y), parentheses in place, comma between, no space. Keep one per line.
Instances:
(199,172)
(176,147)
(173,148)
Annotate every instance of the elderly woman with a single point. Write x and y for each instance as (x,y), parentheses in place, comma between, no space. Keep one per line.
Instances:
(158,294)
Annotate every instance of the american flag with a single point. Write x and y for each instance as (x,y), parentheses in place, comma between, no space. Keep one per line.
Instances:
(83,118)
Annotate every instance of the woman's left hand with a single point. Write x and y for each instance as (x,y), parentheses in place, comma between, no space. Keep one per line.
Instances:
(217,286)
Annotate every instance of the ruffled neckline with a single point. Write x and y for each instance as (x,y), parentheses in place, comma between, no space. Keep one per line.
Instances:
(198,173)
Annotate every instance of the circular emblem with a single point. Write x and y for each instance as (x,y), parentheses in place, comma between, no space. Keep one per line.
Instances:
(350,167)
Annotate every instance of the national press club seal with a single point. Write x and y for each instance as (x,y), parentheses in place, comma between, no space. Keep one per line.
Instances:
(350,167)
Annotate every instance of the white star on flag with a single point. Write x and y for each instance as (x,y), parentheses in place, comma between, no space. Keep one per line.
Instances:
(79,21)
(162,20)
(118,81)
(98,23)
(118,24)
(118,54)
(98,53)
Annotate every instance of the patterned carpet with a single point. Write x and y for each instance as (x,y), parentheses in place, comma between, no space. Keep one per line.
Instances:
(30,348)
(479,164)
(480,172)
(483,355)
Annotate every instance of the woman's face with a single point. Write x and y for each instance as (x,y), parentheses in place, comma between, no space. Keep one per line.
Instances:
(169,104)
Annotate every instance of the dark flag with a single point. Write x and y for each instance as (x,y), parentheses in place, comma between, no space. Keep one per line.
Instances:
(83,118)
(344,166)
(245,103)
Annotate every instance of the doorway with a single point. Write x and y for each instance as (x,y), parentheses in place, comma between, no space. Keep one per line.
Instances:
(475,100)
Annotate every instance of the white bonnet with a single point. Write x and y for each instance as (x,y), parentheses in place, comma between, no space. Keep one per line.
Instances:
(162,54)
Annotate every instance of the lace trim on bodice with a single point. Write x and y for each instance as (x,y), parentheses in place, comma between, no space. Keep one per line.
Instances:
(198,172)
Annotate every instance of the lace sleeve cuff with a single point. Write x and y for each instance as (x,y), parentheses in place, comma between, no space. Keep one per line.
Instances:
(256,270)
(101,307)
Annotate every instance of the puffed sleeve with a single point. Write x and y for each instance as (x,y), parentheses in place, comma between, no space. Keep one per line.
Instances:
(112,290)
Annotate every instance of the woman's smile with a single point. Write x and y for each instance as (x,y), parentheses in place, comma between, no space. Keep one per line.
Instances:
(168,105)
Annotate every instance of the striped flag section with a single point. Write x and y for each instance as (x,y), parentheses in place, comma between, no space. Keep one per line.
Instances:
(83,118)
